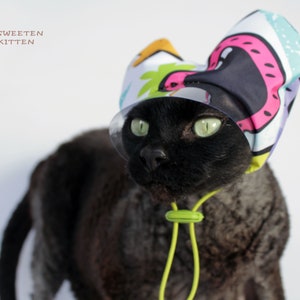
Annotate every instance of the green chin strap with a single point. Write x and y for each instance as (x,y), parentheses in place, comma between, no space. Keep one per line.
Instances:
(183,216)
(190,217)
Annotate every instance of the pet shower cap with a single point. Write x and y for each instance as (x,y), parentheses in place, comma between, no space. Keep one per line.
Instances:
(256,65)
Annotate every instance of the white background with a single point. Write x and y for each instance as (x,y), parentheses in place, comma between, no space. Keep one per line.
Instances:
(70,80)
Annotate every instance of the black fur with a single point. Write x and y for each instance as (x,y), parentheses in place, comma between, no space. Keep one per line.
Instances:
(192,160)
(99,220)
(16,231)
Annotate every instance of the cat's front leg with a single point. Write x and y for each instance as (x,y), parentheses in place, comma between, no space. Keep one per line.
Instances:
(269,287)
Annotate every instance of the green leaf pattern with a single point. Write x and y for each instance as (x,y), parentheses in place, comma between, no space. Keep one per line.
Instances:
(154,78)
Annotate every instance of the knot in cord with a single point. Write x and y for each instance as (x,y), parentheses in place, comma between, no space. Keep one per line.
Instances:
(184,216)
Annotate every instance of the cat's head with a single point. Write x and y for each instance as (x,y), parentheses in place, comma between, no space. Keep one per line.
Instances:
(176,147)
(251,77)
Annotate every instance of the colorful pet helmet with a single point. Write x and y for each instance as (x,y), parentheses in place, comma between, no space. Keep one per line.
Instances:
(257,66)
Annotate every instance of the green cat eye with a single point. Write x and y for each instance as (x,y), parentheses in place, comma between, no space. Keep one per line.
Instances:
(139,127)
(206,127)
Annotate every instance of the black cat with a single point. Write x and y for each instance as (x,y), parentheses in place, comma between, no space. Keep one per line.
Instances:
(100,222)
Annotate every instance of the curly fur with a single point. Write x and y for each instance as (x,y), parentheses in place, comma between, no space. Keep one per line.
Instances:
(101,229)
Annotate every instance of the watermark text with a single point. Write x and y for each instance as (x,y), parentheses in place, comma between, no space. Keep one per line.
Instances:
(20,37)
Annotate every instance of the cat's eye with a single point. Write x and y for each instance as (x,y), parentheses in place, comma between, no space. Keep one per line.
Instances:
(139,127)
(206,127)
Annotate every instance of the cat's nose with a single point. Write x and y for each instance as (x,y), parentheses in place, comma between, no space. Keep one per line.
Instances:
(153,157)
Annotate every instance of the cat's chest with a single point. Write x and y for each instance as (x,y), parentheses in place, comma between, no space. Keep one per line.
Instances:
(145,231)
(144,242)
(143,237)
(145,234)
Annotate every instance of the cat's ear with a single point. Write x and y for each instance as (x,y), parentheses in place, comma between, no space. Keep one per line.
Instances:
(257,63)
(142,82)
(148,69)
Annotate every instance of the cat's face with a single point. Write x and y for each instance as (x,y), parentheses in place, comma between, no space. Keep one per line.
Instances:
(178,147)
